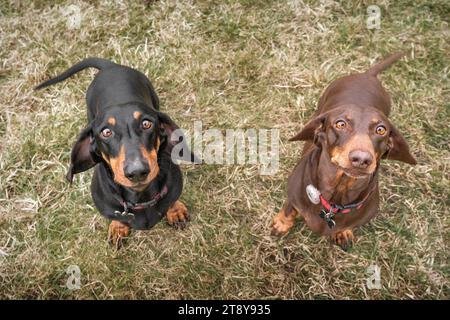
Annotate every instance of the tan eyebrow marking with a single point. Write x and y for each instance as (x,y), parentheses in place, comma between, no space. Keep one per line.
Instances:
(136,114)
(375,120)
(112,121)
(348,118)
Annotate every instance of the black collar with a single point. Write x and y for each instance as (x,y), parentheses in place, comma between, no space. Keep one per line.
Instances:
(127,206)
(142,205)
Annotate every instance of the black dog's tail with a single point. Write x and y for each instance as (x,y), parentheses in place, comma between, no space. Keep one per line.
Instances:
(380,66)
(97,63)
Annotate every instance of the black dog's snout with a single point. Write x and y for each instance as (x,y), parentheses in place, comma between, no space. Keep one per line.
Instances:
(360,159)
(136,171)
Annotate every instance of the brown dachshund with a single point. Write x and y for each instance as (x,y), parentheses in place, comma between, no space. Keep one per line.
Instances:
(334,186)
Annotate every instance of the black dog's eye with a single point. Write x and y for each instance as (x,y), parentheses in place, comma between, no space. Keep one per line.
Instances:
(381,130)
(340,124)
(146,124)
(106,133)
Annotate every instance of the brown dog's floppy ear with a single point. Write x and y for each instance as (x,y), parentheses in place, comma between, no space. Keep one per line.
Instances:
(83,155)
(309,130)
(398,148)
(172,138)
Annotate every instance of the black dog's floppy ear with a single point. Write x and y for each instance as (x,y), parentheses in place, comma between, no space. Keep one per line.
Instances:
(83,153)
(175,141)
(310,129)
(398,148)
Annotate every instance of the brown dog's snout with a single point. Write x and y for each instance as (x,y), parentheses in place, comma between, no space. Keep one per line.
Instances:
(360,159)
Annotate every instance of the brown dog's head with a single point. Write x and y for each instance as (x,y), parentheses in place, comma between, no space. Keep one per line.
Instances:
(356,138)
(128,139)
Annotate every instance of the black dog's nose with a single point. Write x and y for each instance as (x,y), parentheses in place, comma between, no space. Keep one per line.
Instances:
(136,171)
(360,159)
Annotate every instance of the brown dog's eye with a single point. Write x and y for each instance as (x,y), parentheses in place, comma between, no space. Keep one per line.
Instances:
(381,130)
(106,132)
(340,124)
(146,124)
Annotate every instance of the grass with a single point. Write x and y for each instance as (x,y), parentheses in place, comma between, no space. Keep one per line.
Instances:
(231,64)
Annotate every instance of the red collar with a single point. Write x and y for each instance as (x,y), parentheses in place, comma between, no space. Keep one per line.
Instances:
(329,209)
(344,209)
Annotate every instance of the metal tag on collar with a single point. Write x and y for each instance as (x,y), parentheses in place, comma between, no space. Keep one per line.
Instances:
(313,194)
(328,217)
(125,211)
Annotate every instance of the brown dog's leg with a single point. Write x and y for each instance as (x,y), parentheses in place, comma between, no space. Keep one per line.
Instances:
(177,215)
(343,239)
(116,232)
(283,221)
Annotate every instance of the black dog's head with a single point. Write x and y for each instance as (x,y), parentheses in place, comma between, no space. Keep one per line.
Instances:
(128,139)
(356,138)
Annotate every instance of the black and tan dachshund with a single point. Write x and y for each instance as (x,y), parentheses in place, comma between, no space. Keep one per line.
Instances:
(128,140)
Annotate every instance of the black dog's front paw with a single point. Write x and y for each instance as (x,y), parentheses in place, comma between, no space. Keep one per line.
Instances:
(117,232)
(177,215)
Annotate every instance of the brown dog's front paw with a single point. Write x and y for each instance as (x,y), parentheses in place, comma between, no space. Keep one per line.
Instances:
(117,232)
(177,215)
(343,239)
(281,223)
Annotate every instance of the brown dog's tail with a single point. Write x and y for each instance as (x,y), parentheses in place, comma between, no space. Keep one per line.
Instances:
(97,63)
(380,66)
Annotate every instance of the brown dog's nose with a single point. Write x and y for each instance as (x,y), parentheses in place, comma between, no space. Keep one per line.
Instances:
(360,159)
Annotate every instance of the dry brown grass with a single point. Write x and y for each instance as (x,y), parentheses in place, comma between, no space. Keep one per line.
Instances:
(232,64)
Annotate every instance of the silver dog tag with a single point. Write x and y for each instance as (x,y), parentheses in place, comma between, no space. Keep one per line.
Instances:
(313,194)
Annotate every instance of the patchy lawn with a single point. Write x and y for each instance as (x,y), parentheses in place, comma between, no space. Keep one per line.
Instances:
(230,64)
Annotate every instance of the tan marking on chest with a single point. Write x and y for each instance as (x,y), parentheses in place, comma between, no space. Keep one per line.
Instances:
(112,121)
